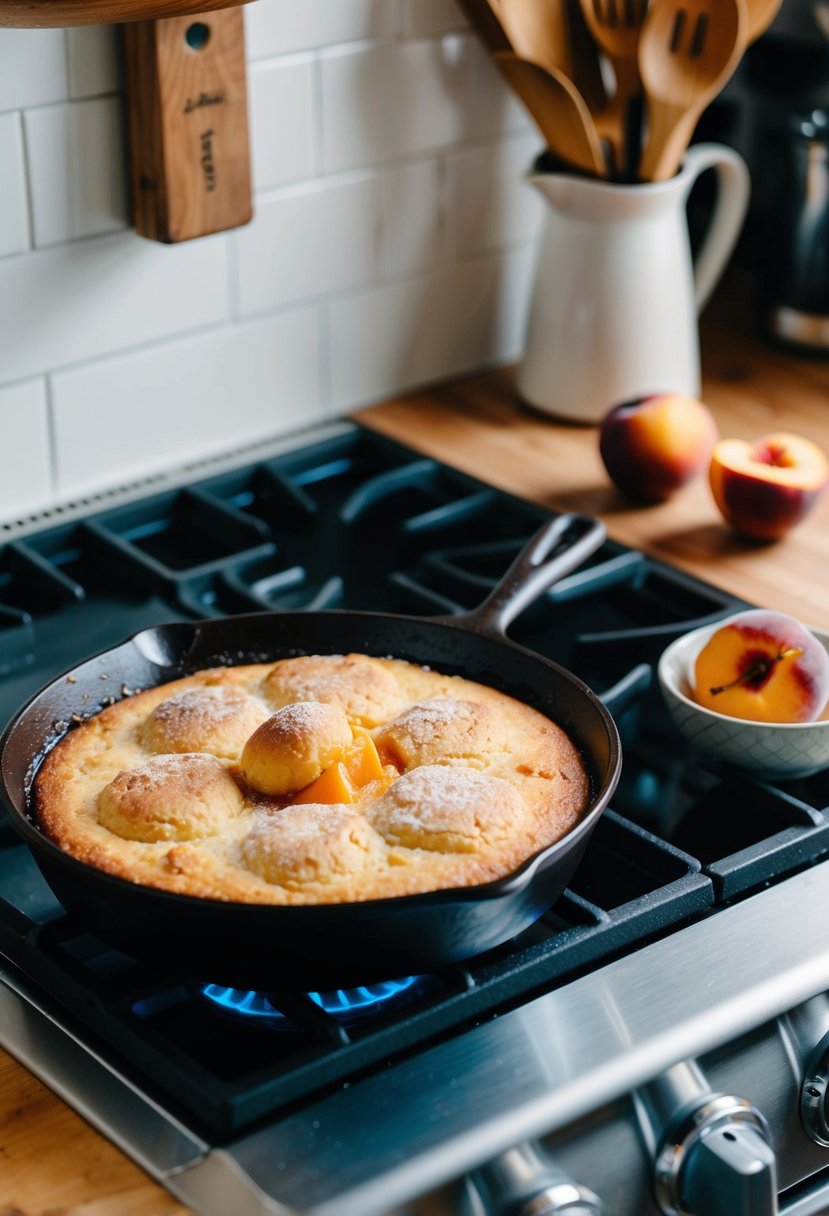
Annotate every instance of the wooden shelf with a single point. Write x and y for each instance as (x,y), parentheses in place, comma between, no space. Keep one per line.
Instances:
(43,13)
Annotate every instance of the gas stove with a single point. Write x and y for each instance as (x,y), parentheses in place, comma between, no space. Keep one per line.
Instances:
(659,1041)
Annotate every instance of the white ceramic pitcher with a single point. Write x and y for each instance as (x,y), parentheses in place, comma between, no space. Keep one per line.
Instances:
(616,298)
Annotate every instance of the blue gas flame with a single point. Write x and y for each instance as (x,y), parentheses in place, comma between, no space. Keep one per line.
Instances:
(342,1003)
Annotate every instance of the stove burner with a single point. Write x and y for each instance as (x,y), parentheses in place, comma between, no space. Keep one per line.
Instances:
(344,1004)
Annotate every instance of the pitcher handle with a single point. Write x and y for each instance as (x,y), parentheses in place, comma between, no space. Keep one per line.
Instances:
(729,212)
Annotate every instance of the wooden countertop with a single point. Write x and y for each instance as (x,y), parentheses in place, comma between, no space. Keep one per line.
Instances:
(54,1164)
(478,425)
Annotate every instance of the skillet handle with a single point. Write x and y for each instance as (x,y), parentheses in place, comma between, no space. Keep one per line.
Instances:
(533,572)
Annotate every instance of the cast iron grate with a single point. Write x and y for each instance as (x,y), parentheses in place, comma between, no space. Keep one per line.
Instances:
(360,522)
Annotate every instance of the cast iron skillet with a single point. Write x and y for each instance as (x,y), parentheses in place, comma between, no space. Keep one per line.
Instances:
(328,945)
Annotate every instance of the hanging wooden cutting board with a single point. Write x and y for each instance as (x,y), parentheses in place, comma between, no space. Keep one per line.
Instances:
(187,110)
(187,113)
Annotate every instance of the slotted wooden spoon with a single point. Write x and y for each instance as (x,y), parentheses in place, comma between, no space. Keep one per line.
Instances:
(688,49)
(559,110)
(761,13)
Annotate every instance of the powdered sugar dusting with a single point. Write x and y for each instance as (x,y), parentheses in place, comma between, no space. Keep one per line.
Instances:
(212,706)
(295,823)
(176,764)
(443,796)
(426,717)
(305,713)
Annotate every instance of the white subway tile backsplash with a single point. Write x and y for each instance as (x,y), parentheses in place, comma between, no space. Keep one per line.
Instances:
(203,395)
(93,60)
(413,217)
(388,102)
(490,203)
(309,241)
(388,158)
(277,27)
(77,169)
(14,218)
(494,108)
(32,68)
(424,17)
(281,103)
(89,298)
(25,477)
(423,329)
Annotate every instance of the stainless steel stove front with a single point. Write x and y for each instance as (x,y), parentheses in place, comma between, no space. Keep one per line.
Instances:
(568,1074)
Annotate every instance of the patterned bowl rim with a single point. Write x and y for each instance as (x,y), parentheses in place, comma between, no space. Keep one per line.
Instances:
(669,670)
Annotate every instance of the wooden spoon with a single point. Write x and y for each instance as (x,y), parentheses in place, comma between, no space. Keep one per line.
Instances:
(483,18)
(550,33)
(559,110)
(615,26)
(687,51)
(761,13)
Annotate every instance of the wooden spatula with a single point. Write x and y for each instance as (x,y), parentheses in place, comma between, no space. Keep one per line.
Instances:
(549,32)
(559,110)
(188,125)
(485,20)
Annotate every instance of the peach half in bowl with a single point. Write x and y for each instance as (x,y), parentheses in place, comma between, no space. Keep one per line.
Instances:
(778,750)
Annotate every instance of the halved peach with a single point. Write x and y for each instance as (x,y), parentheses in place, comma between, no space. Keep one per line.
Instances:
(764,666)
(764,488)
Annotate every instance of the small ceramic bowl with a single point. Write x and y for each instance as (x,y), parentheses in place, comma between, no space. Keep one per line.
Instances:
(766,749)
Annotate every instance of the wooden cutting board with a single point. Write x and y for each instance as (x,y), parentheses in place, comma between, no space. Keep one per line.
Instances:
(187,114)
(187,104)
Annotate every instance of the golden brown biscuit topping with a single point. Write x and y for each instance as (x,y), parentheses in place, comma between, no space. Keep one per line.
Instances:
(178,797)
(210,719)
(463,786)
(302,844)
(294,746)
(449,810)
(443,731)
(367,692)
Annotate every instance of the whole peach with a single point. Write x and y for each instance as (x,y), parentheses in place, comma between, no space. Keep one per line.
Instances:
(764,488)
(764,666)
(652,446)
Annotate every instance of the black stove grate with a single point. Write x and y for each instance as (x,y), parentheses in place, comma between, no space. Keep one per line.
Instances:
(315,528)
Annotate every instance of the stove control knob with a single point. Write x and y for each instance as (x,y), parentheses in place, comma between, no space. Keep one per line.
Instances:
(522,1182)
(814,1096)
(807,1028)
(711,1151)
(731,1170)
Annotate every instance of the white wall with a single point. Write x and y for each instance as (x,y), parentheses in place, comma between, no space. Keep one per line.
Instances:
(392,244)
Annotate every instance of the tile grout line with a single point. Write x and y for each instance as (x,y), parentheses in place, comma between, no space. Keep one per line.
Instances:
(27,184)
(51,430)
